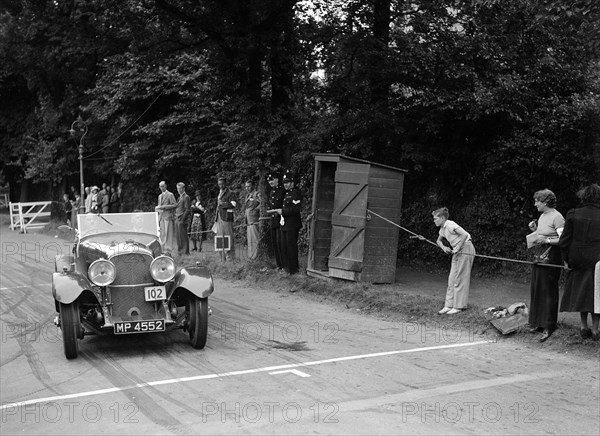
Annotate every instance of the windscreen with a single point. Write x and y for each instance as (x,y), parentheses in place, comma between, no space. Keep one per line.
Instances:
(136,222)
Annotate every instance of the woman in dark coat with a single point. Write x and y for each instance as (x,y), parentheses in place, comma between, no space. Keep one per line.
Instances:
(580,246)
(543,314)
(198,225)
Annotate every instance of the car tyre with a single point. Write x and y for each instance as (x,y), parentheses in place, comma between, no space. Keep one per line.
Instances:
(71,328)
(198,321)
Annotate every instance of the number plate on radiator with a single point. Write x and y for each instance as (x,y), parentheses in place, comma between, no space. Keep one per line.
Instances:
(155,293)
(157,325)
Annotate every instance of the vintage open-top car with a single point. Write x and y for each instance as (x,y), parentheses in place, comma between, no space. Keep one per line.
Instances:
(119,280)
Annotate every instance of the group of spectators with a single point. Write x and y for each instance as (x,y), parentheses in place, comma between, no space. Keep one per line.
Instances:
(285,222)
(182,219)
(555,243)
(174,218)
(574,241)
(109,199)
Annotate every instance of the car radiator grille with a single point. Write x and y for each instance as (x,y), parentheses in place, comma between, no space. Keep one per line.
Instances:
(132,269)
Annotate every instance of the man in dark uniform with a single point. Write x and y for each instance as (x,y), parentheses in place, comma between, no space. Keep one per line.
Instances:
(275,203)
(291,223)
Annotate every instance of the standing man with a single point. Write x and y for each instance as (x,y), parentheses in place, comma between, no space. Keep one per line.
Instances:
(106,200)
(114,200)
(183,211)
(165,209)
(88,199)
(291,224)
(252,207)
(226,203)
(100,198)
(276,197)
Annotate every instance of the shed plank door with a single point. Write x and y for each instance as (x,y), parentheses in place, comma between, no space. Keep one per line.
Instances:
(348,220)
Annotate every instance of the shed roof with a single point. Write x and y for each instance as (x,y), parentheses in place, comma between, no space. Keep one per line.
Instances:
(332,157)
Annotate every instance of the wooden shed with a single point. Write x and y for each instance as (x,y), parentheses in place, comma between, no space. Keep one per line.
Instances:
(346,241)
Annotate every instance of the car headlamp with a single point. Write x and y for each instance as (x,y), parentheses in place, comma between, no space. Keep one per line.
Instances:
(102,272)
(162,268)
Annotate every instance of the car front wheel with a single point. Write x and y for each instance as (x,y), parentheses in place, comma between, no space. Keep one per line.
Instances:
(198,321)
(70,326)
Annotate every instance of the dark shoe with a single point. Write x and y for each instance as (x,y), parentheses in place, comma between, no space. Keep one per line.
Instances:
(585,333)
(545,335)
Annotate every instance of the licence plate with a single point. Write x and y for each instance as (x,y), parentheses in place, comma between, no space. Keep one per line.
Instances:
(154,293)
(157,325)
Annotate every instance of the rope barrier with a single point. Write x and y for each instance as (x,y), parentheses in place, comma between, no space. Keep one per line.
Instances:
(423,238)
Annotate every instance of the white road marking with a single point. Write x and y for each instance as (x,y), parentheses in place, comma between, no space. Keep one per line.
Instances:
(235,373)
(293,371)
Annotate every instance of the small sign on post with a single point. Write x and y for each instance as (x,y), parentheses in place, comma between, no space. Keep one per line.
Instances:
(222,243)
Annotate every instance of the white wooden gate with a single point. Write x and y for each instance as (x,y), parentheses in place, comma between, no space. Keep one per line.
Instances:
(28,216)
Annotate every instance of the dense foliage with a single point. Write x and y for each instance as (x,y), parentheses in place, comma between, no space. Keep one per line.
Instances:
(482,101)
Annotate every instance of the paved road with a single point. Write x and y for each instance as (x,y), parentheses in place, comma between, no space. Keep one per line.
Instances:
(275,363)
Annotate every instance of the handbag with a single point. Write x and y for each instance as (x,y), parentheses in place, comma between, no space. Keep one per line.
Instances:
(541,253)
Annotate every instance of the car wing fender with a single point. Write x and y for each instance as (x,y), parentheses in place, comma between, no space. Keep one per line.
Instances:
(67,287)
(196,279)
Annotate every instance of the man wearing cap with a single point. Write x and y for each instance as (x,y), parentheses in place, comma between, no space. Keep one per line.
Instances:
(226,203)
(275,203)
(166,215)
(291,223)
